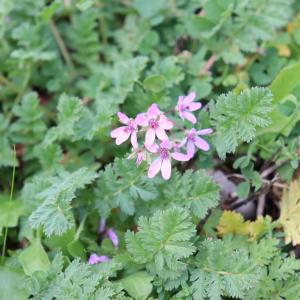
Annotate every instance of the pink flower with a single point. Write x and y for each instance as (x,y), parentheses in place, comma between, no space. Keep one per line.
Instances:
(111,234)
(192,140)
(156,123)
(140,155)
(163,161)
(186,105)
(95,259)
(121,134)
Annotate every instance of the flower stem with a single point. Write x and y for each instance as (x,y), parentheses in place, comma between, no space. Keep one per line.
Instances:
(10,199)
(61,45)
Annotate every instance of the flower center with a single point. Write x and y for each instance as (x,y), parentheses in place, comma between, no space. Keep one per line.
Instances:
(191,137)
(164,153)
(153,123)
(130,127)
(184,107)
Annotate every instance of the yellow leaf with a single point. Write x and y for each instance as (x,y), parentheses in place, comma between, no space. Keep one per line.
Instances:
(290,213)
(259,227)
(232,222)
(283,50)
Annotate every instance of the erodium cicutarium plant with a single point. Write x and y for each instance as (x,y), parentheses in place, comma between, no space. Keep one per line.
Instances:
(157,139)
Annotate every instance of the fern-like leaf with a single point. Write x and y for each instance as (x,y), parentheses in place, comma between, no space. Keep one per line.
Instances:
(54,214)
(162,243)
(236,117)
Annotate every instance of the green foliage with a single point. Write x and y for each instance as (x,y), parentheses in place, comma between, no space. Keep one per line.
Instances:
(221,272)
(244,26)
(29,128)
(236,117)
(114,190)
(77,281)
(194,190)
(54,212)
(162,243)
(66,69)
(10,211)
(34,258)
(84,40)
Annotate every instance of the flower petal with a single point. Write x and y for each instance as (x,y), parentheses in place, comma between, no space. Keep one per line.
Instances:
(150,136)
(133,139)
(190,117)
(141,120)
(201,144)
(180,156)
(165,123)
(113,237)
(152,148)
(190,149)
(166,144)
(189,98)
(153,111)
(118,131)
(154,167)
(166,168)
(95,259)
(183,142)
(123,118)
(205,131)
(161,134)
(122,137)
(194,106)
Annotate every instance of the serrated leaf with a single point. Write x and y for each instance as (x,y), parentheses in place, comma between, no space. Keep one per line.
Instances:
(237,117)
(54,213)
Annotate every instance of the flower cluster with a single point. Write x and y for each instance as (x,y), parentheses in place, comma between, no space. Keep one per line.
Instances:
(159,144)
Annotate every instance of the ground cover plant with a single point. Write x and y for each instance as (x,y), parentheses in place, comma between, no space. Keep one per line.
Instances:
(149,149)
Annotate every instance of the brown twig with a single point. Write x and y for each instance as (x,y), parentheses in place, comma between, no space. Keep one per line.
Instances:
(261,205)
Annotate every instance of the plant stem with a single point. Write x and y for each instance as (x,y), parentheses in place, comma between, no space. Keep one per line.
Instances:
(5,81)
(61,45)
(10,199)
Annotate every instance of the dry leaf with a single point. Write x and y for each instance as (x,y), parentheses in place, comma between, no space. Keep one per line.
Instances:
(290,213)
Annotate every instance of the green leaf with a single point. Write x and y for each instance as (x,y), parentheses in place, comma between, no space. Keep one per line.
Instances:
(34,258)
(285,82)
(121,184)
(243,189)
(54,213)
(138,285)
(155,83)
(194,190)
(85,4)
(163,241)
(12,284)
(76,249)
(237,117)
(10,211)
(222,272)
